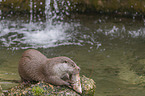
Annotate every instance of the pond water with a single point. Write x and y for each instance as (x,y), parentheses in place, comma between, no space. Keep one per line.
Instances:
(108,49)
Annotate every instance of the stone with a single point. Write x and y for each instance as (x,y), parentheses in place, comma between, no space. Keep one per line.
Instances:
(45,89)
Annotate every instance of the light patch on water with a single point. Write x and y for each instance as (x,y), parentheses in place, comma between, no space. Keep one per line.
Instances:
(139,32)
(52,33)
(113,30)
(34,35)
(6,83)
(122,32)
(49,37)
(17,34)
(131,77)
(128,75)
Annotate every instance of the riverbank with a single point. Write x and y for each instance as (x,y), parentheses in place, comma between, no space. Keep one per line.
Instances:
(136,7)
(113,6)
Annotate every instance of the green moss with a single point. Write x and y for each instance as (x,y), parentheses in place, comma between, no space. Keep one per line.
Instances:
(37,90)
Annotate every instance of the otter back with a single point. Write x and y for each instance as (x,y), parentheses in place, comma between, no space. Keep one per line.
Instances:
(31,65)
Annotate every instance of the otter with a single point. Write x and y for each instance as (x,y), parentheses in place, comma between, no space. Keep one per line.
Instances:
(34,66)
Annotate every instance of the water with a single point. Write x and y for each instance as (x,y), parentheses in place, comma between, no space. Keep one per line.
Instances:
(49,33)
(108,49)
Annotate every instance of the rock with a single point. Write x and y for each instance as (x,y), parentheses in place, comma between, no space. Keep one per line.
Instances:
(45,89)
(88,86)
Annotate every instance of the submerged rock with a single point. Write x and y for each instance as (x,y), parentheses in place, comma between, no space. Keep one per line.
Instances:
(45,89)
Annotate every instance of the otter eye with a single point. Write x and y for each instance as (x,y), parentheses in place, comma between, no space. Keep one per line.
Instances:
(73,65)
(65,61)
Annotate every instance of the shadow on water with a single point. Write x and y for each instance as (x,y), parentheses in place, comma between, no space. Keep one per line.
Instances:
(108,49)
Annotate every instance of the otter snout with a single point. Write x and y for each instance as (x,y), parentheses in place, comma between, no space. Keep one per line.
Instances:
(76,70)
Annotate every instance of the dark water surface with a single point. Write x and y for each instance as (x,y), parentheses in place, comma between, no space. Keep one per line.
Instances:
(108,49)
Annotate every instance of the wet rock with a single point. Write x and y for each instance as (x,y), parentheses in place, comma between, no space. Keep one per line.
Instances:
(41,88)
(88,86)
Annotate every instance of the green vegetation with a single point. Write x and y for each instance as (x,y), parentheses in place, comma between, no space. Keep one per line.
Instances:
(88,86)
(37,90)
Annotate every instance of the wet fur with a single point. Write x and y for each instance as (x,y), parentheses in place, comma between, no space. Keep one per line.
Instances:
(34,66)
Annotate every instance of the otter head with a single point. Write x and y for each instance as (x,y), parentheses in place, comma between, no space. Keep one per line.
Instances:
(66,64)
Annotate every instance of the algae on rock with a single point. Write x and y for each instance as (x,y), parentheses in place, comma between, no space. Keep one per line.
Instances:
(88,86)
(45,89)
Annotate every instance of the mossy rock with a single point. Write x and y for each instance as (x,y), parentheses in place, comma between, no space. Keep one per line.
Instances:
(45,89)
(88,86)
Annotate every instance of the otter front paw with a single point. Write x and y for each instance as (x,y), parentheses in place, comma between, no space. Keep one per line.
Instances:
(68,84)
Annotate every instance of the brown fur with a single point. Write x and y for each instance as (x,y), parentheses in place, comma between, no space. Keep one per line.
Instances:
(34,66)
